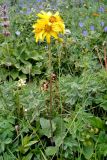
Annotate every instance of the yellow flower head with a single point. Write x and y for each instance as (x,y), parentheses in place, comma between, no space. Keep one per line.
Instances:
(48,25)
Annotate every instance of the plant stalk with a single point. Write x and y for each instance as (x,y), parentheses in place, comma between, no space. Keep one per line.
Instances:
(50,76)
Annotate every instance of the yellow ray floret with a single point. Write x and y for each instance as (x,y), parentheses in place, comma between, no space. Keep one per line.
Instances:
(48,25)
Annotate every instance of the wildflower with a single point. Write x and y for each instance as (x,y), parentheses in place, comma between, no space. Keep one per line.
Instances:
(102,23)
(5,24)
(4,9)
(92,28)
(26,110)
(41,6)
(105,29)
(84,33)
(5,18)
(44,86)
(53,76)
(81,24)
(67,32)
(6,33)
(21,83)
(17,33)
(28,11)
(101,9)
(48,25)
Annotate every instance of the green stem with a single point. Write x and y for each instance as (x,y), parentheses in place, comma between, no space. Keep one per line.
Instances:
(50,74)
(59,64)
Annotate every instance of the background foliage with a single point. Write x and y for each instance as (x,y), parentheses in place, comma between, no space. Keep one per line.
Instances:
(79,115)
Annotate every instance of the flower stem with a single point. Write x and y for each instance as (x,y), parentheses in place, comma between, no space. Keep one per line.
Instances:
(59,65)
(50,75)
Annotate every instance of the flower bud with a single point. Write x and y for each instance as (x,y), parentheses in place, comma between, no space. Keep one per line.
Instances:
(87,136)
(45,86)
(17,129)
(5,18)
(96,130)
(5,24)
(53,76)
(6,33)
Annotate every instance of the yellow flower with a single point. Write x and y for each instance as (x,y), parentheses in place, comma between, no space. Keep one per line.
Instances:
(48,25)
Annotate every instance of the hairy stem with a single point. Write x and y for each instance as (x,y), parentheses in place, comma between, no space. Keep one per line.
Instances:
(50,75)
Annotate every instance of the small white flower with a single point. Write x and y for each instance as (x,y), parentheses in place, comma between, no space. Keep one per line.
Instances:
(17,33)
(21,82)
(25,110)
(106,122)
(66,6)
(67,32)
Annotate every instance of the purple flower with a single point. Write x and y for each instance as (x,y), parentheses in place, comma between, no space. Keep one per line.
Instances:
(101,9)
(81,24)
(105,29)
(102,23)
(84,33)
(28,11)
(92,28)
(38,0)
(41,7)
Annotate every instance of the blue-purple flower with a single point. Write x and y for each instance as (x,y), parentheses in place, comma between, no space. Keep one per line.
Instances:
(101,9)
(105,29)
(81,24)
(92,28)
(102,23)
(38,0)
(28,11)
(84,33)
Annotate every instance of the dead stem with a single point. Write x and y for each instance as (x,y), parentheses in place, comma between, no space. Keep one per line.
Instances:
(105,58)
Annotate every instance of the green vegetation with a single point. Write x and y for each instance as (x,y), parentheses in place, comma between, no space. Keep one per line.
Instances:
(75,128)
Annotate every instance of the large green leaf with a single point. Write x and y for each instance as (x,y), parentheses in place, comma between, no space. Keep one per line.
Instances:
(46,127)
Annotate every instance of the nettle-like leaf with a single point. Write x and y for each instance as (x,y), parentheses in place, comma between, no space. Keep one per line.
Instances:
(51,151)
(88,151)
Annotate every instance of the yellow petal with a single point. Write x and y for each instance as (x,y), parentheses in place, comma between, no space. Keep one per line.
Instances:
(56,14)
(54,34)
